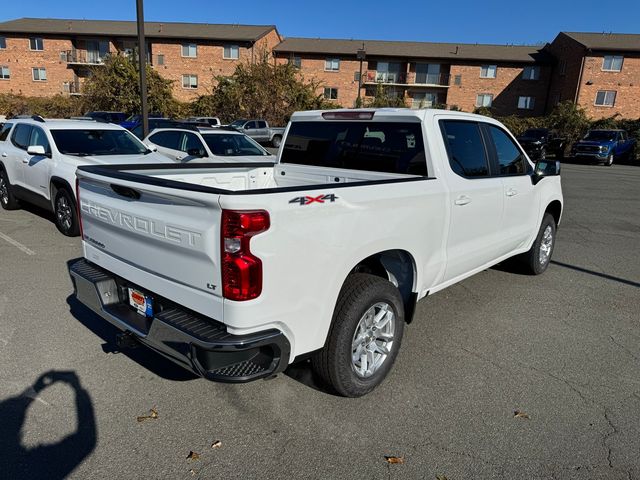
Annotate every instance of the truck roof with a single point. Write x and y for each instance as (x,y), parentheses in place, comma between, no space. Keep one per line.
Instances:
(388,113)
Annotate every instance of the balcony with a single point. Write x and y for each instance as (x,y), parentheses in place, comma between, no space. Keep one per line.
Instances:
(71,88)
(388,78)
(81,57)
(431,79)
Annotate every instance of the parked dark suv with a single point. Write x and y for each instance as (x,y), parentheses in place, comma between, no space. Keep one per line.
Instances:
(538,142)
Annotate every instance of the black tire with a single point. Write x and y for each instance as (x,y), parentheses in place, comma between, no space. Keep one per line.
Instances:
(276,141)
(609,160)
(532,259)
(333,364)
(8,201)
(65,213)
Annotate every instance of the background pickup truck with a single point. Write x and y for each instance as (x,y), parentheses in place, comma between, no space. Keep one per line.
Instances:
(260,131)
(604,146)
(234,272)
(538,142)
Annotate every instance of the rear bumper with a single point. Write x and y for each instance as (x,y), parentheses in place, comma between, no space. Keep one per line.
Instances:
(195,342)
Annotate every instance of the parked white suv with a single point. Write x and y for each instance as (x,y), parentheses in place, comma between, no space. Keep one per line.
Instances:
(211,145)
(38,161)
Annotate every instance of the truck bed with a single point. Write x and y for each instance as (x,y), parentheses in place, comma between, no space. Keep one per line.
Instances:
(241,178)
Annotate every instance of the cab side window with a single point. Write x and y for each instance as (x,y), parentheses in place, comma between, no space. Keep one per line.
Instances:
(465,148)
(511,160)
(166,139)
(21,136)
(39,137)
(250,125)
(262,124)
(4,131)
(191,141)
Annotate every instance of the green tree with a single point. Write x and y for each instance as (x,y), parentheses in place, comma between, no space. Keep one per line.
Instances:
(261,90)
(570,119)
(116,86)
(384,97)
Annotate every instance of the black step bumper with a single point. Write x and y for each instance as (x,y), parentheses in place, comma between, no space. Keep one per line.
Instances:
(191,340)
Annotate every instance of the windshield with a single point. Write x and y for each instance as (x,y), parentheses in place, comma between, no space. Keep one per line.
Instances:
(238,123)
(393,147)
(600,135)
(97,142)
(232,145)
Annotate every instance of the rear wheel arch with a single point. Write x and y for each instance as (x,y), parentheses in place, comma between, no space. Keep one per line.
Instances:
(399,268)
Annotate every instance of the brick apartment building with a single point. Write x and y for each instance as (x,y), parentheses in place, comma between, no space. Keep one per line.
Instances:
(600,72)
(510,79)
(43,57)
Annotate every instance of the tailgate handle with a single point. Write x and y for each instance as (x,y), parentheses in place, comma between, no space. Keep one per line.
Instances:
(125,191)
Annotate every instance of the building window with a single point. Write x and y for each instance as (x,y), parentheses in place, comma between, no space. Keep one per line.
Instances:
(457,80)
(526,103)
(39,74)
(3,43)
(160,60)
(231,52)
(189,50)
(562,67)
(36,43)
(330,93)
(488,71)
(189,81)
(295,61)
(332,64)
(484,100)
(531,73)
(5,73)
(605,98)
(612,63)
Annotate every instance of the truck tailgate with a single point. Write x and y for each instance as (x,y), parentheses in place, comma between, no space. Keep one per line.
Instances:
(141,231)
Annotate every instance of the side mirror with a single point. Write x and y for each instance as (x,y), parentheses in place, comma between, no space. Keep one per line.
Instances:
(151,147)
(247,127)
(545,168)
(36,150)
(196,152)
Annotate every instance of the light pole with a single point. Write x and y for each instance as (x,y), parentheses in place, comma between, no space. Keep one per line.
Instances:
(360,55)
(142,65)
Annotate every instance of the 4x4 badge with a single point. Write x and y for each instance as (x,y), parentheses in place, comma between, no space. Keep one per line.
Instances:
(306,200)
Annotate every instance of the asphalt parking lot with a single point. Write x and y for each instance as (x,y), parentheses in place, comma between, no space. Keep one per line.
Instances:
(562,348)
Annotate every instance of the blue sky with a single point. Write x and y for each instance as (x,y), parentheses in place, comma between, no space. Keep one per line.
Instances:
(468,21)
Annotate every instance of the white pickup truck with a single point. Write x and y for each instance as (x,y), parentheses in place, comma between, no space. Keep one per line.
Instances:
(236,271)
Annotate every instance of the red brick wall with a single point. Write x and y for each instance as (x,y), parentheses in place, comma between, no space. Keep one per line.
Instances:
(563,86)
(20,61)
(312,68)
(625,83)
(505,88)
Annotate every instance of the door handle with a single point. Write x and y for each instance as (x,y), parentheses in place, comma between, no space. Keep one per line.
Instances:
(462,200)
(4,154)
(25,160)
(512,192)
(179,158)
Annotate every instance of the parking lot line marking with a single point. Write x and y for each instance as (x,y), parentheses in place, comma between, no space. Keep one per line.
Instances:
(17,244)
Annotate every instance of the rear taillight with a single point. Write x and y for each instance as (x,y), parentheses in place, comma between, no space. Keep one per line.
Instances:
(241,270)
(78,207)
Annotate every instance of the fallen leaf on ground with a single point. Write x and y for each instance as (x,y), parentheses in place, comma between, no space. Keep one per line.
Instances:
(193,455)
(153,413)
(394,459)
(216,444)
(441,477)
(519,414)
(192,472)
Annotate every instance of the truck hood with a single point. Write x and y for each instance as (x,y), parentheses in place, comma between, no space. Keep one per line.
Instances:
(593,143)
(153,157)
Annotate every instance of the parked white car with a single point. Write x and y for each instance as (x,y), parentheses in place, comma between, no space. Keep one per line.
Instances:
(207,145)
(38,161)
(239,271)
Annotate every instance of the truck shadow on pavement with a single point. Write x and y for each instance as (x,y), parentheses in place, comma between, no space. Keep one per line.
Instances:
(45,461)
(145,357)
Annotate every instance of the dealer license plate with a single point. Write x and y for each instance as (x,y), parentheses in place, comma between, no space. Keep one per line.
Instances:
(142,303)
